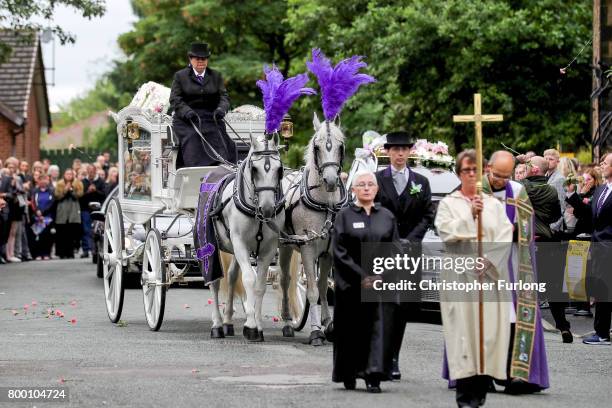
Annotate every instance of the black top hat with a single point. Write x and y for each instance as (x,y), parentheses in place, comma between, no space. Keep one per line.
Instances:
(399,138)
(199,50)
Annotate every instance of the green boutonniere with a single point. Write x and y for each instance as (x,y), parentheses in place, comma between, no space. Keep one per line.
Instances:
(415,189)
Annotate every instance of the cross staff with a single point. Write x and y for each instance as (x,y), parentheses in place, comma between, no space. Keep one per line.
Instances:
(478,118)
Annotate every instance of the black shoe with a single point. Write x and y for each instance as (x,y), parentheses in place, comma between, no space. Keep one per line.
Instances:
(584,313)
(373,387)
(520,387)
(395,372)
(350,384)
(567,337)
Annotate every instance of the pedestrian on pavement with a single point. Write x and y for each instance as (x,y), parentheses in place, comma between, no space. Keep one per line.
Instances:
(456,222)
(549,253)
(407,195)
(68,215)
(601,254)
(522,266)
(111,181)
(362,329)
(93,191)
(43,210)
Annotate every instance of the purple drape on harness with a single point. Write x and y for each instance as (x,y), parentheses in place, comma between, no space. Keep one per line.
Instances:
(204,234)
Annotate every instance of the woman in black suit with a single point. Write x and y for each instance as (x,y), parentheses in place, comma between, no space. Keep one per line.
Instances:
(199,98)
(362,327)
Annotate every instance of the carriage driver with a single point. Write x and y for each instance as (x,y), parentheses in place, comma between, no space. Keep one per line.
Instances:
(199,98)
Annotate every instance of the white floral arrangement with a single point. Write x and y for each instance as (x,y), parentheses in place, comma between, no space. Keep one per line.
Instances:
(431,154)
(152,96)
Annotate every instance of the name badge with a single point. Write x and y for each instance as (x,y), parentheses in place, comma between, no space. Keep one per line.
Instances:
(357,225)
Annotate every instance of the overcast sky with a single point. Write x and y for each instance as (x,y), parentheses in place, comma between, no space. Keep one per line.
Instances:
(77,66)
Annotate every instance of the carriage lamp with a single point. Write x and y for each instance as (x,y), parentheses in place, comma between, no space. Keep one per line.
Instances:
(286,129)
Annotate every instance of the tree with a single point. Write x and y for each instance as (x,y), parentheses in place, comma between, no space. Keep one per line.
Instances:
(430,57)
(33,16)
(243,36)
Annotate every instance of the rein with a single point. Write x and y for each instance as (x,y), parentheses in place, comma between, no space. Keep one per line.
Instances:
(313,204)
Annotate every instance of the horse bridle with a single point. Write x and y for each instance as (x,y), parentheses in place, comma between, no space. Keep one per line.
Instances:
(328,146)
(239,193)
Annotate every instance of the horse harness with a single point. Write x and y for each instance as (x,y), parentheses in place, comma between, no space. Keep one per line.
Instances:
(310,202)
(239,197)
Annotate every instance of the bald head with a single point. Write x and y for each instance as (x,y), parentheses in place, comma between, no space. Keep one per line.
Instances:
(501,166)
(538,165)
(502,158)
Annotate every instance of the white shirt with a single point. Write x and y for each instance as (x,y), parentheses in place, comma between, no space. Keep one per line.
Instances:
(607,193)
(196,72)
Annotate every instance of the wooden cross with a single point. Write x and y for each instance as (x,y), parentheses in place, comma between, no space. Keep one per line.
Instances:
(478,118)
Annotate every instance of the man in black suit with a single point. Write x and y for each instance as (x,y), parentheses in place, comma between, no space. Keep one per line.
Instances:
(408,196)
(601,255)
(198,98)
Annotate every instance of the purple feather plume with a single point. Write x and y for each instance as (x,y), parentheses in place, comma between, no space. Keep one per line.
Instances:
(339,83)
(279,95)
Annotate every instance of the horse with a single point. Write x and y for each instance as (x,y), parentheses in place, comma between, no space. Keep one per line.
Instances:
(249,222)
(313,197)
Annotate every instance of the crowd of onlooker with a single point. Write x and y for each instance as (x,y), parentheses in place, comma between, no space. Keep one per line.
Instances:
(561,191)
(45,213)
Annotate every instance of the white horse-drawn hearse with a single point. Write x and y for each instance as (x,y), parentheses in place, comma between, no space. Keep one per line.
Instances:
(149,222)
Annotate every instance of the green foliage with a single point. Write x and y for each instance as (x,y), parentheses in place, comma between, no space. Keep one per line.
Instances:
(33,16)
(429,58)
(243,36)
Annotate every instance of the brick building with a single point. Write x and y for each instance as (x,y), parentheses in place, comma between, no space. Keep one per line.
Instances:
(24,104)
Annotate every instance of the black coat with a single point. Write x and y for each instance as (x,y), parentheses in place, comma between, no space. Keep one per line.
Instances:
(189,95)
(600,285)
(414,213)
(582,212)
(362,330)
(94,196)
(545,203)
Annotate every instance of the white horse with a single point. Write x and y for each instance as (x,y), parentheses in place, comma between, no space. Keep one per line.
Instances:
(250,223)
(313,197)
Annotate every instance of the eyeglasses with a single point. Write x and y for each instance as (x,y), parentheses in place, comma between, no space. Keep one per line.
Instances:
(497,176)
(468,170)
(363,185)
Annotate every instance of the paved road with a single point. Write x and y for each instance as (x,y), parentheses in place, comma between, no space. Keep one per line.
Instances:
(106,365)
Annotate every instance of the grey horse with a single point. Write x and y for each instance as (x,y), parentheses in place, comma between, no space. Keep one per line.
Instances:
(313,196)
(250,223)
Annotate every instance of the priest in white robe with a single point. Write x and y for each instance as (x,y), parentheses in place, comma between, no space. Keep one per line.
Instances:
(457,226)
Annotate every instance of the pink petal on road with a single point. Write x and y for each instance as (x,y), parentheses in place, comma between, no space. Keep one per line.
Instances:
(73,303)
(26,307)
(195,370)
(73,320)
(210,301)
(275,319)
(186,306)
(61,380)
(58,312)
(14,312)
(34,303)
